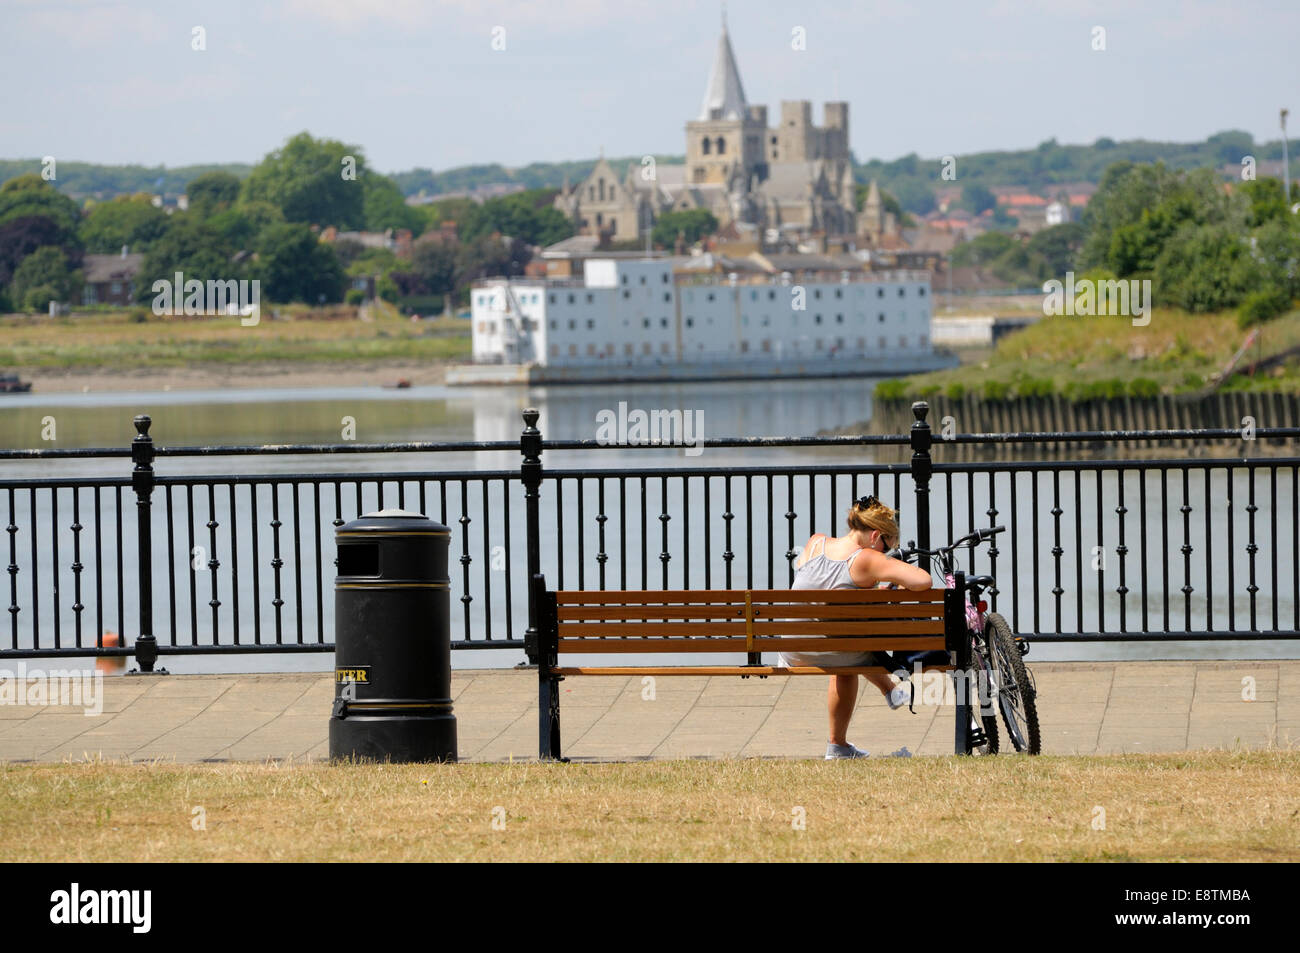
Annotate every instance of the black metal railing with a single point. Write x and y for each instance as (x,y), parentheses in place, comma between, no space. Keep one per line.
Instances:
(1096,550)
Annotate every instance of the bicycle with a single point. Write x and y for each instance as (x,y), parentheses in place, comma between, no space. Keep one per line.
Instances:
(996,652)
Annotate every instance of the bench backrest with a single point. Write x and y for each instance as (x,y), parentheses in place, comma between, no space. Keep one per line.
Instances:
(749,621)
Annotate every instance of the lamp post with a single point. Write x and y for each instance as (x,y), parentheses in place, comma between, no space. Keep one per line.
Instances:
(1286,165)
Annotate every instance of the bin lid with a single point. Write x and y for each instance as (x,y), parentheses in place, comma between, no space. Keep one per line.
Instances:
(391,521)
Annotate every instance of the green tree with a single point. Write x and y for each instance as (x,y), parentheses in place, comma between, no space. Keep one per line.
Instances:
(1277,250)
(19,237)
(1138,209)
(1016,266)
(34,215)
(192,247)
(435,266)
(1126,191)
(306,180)
(528,216)
(45,275)
(983,250)
(450,210)
(977,198)
(239,225)
(360,260)
(1205,268)
(30,195)
(490,257)
(212,192)
(385,207)
(132,221)
(1231,145)
(693,224)
(294,265)
(1267,202)
(348,251)
(1058,248)
(915,195)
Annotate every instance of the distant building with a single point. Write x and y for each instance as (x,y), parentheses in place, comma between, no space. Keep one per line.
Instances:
(757,315)
(877,227)
(110,279)
(795,178)
(397,241)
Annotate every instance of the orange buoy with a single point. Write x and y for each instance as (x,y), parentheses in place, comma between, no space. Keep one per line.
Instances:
(110,663)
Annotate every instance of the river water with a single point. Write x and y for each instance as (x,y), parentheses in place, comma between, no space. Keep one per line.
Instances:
(1029,567)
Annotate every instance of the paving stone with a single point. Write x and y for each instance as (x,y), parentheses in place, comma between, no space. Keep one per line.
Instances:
(1083,707)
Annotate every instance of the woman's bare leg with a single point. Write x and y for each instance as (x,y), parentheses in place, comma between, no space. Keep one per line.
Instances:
(881,681)
(841,696)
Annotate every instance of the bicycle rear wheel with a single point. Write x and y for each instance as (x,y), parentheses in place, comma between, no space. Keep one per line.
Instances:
(1016,692)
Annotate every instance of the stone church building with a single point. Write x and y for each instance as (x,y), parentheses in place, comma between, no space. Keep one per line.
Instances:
(791,180)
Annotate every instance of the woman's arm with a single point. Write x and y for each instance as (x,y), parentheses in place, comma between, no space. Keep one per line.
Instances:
(871,567)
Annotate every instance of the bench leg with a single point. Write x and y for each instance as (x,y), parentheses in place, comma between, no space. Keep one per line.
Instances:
(961,742)
(548,706)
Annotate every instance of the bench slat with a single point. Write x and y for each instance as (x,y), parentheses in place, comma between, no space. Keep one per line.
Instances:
(723,645)
(810,611)
(917,643)
(737,670)
(581,597)
(575,597)
(635,630)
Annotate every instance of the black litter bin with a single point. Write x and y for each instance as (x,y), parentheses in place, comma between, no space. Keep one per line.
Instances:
(392,635)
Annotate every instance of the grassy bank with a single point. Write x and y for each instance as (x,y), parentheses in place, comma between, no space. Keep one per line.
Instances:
(132,339)
(1086,357)
(1225,806)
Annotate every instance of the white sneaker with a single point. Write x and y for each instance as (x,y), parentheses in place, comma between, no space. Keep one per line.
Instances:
(900,753)
(834,751)
(899,695)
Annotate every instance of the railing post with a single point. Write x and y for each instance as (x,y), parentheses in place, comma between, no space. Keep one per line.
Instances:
(922,467)
(539,642)
(142,481)
(530,444)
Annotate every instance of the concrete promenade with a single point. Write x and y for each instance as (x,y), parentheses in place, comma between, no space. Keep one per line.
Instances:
(1084,708)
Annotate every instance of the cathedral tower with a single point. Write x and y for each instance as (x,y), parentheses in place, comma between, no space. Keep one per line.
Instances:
(729,132)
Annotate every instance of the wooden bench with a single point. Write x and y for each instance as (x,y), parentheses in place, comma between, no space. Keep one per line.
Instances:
(743,622)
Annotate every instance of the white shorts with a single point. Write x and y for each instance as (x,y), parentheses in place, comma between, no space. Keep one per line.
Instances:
(827,659)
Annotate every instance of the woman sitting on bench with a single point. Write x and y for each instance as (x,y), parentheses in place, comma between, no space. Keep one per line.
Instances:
(855,560)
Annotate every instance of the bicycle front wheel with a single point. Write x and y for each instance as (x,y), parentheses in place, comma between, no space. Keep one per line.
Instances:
(1016,692)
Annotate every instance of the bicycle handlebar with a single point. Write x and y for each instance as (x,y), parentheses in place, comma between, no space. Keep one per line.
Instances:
(970,539)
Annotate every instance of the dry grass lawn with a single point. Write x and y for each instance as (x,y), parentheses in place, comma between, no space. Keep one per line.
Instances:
(1205,806)
(110,340)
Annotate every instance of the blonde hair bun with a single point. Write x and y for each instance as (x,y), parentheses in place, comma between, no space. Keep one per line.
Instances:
(869,513)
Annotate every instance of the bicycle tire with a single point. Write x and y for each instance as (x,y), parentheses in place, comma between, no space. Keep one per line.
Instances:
(990,721)
(1011,667)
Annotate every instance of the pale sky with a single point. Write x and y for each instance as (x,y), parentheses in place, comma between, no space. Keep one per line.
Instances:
(418,82)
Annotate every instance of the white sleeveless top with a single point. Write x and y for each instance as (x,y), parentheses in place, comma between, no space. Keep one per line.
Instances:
(821,572)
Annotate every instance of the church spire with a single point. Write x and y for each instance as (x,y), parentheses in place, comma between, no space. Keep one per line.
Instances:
(724,98)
